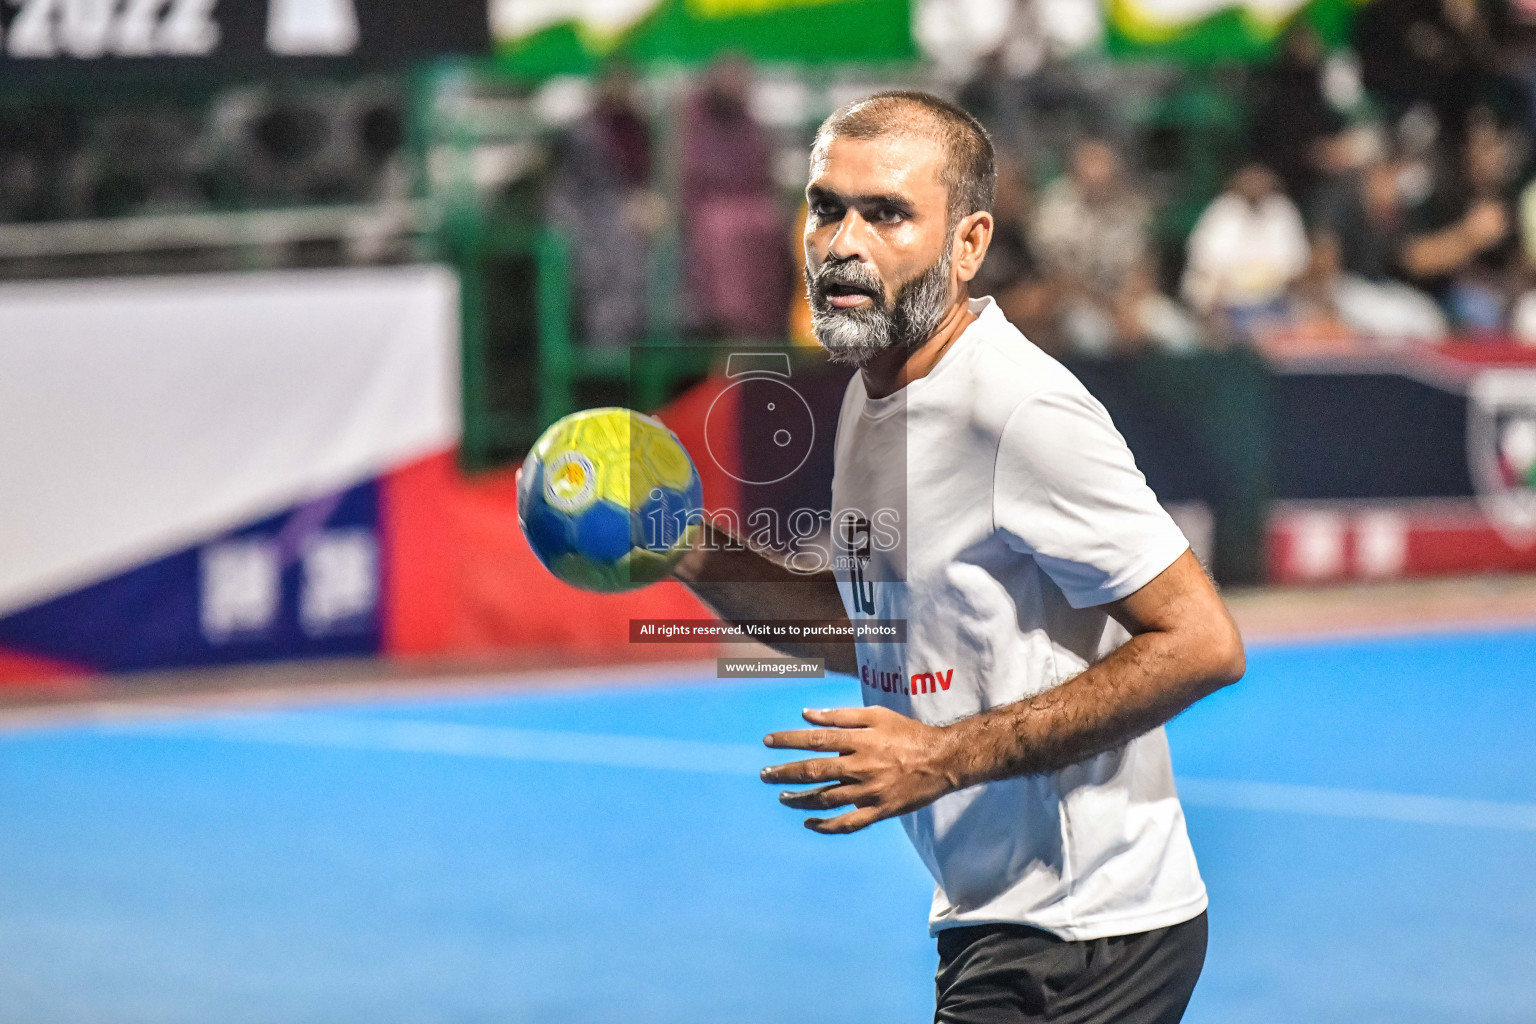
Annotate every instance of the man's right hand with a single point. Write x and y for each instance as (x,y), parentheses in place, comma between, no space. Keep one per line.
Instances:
(1486,224)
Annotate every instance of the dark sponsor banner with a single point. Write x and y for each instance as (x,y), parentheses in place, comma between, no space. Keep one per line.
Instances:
(54,35)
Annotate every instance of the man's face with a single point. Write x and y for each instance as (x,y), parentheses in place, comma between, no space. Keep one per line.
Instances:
(1094,169)
(877,252)
(1487,158)
(1255,183)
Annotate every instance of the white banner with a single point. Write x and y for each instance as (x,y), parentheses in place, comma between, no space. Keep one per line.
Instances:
(140,416)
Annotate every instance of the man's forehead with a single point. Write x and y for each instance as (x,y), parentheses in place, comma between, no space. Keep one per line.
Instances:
(893,163)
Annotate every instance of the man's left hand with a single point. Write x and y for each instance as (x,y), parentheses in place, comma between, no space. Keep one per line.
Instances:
(887,764)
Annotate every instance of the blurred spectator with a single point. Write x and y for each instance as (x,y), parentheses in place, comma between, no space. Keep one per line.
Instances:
(1011,273)
(1383,309)
(1441,54)
(40,161)
(1528,223)
(1298,133)
(1462,245)
(1092,237)
(147,162)
(1516,32)
(1523,317)
(738,279)
(600,199)
(1357,252)
(1366,218)
(802,330)
(1092,225)
(1247,249)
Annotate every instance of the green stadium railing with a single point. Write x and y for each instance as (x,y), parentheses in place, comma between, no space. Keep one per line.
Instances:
(520,376)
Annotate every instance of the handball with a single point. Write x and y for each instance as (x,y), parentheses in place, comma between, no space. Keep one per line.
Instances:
(609,499)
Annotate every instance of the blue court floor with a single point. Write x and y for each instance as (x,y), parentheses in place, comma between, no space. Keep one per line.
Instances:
(1364,814)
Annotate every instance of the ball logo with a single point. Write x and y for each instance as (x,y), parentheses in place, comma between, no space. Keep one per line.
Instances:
(600,515)
(570,482)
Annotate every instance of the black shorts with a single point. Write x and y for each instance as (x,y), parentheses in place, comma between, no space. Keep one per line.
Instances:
(1014,974)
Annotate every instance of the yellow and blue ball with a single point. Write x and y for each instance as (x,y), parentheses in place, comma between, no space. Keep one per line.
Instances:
(609,499)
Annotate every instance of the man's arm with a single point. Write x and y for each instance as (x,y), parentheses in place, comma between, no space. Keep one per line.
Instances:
(1184,645)
(1447,250)
(740,584)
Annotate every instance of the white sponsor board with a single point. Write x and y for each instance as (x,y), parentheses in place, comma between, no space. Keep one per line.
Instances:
(142,416)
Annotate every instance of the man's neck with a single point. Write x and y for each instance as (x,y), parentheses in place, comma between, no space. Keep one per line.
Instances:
(894,369)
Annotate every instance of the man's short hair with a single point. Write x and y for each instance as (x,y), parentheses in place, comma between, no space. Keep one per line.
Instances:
(970,168)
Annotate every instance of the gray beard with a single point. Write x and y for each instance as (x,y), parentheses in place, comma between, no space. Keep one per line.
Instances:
(855,336)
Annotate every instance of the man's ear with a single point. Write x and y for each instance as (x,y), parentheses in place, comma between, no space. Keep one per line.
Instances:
(972,236)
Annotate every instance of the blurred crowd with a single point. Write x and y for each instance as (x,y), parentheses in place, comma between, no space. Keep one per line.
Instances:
(737,267)
(1383,190)
(1376,189)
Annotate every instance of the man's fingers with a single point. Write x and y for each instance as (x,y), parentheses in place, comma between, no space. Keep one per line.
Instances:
(836,738)
(817,769)
(845,823)
(824,798)
(811,739)
(841,718)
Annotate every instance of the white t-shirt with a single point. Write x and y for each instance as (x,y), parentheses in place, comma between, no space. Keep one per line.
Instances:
(997,508)
(1244,255)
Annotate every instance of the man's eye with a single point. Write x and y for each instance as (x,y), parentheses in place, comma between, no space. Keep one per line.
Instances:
(887,215)
(825,211)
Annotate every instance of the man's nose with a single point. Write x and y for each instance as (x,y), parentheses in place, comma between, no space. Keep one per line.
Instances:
(850,240)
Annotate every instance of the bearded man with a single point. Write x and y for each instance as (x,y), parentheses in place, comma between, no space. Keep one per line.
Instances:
(1055,617)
